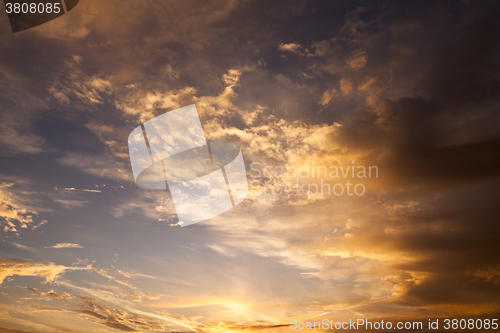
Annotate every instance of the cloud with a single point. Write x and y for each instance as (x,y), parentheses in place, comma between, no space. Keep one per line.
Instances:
(155,205)
(357,60)
(107,166)
(20,143)
(16,206)
(291,47)
(19,103)
(71,204)
(83,190)
(143,104)
(112,278)
(65,246)
(8,330)
(346,86)
(420,106)
(120,319)
(23,247)
(327,96)
(50,293)
(91,191)
(23,267)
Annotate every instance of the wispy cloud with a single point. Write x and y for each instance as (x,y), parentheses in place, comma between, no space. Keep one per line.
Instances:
(71,204)
(65,246)
(50,293)
(290,47)
(23,267)
(109,276)
(17,203)
(24,247)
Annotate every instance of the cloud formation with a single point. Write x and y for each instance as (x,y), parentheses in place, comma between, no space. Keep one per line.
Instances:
(22,267)
(65,246)
(291,85)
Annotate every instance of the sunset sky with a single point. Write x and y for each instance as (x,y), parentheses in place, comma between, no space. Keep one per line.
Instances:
(412,88)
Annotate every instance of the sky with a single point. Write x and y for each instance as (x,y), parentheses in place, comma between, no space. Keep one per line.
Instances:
(409,88)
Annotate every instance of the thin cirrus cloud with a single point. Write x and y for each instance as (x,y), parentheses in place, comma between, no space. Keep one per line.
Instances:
(65,246)
(24,247)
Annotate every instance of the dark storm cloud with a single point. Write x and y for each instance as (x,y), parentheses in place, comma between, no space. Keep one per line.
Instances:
(448,126)
(446,143)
